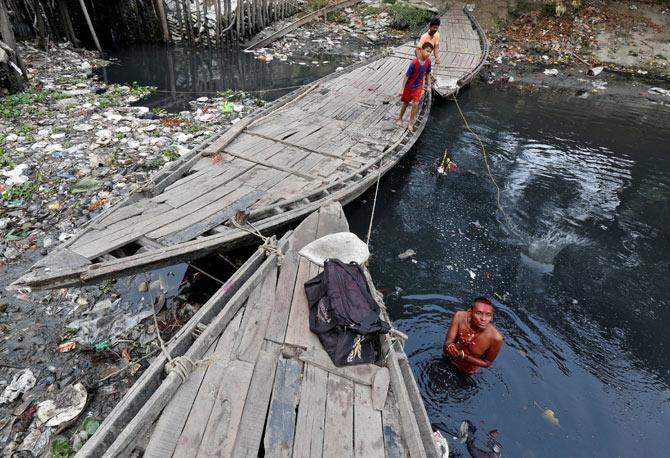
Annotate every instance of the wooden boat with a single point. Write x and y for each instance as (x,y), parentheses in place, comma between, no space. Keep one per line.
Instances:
(326,142)
(263,385)
(464,49)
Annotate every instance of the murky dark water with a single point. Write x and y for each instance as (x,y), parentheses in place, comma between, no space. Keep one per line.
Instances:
(579,275)
(183,74)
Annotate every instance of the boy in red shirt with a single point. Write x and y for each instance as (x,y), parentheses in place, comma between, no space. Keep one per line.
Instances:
(412,85)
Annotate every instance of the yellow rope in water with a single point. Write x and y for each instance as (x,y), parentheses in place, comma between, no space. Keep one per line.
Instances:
(512,227)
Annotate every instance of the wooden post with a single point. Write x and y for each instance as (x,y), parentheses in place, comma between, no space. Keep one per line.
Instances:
(90,26)
(7,34)
(42,39)
(67,23)
(163,18)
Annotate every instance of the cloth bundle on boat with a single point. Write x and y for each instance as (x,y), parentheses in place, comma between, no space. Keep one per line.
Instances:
(345,246)
(343,313)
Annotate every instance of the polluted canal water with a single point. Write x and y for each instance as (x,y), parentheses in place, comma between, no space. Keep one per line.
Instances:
(182,74)
(578,273)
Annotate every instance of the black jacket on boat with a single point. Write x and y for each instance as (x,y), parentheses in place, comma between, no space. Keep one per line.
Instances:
(343,313)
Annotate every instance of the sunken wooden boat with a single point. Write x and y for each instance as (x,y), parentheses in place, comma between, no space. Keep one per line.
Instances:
(329,141)
(264,386)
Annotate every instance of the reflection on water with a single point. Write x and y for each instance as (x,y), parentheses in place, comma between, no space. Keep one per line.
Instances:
(182,74)
(578,276)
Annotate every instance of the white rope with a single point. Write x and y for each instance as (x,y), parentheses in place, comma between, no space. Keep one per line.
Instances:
(270,245)
(374,204)
(513,228)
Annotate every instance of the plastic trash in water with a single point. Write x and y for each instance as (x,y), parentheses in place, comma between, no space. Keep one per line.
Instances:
(551,72)
(67,405)
(441,443)
(21,383)
(67,346)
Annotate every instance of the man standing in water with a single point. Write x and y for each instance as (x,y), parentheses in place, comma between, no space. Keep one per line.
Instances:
(432,37)
(472,341)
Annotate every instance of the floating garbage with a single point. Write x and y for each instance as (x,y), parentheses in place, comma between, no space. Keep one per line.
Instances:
(407,254)
(68,404)
(21,383)
(550,416)
(551,72)
(595,71)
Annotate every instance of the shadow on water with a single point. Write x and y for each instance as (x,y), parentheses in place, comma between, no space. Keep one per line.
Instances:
(578,273)
(182,74)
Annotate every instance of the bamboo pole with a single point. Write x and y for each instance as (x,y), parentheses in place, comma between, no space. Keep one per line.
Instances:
(205,22)
(90,26)
(198,18)
(67,23)
(163,19)
(187,20)
(229,19)
(180,21)
(218,23)
(238,16)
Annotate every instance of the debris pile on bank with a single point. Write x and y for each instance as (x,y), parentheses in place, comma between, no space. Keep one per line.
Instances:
(72,146)
(361,31)
(540,39)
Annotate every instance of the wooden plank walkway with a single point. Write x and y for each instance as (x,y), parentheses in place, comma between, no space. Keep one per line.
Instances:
(327,142)
(268,388)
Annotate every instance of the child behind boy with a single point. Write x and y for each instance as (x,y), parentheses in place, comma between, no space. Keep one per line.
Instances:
(412,85)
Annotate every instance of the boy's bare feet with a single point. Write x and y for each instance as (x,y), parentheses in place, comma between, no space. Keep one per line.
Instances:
(410,127)
(398,123)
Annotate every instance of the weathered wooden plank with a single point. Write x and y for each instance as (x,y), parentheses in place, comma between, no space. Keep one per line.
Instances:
(304,233)
(310,425)
(188,440)
(338,433)
(200,227)
(368,437)
(297,332)
(362,373)
(250,431)
(281,421)
(394,445)
(380,388)
(224,422)
(255,322)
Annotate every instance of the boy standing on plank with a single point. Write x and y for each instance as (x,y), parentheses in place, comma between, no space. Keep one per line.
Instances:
(412,85)
(432,37)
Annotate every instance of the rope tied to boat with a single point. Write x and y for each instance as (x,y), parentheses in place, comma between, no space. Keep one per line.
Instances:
(270,244)
(181,365)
